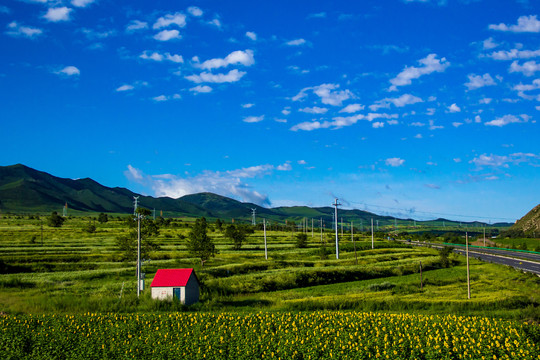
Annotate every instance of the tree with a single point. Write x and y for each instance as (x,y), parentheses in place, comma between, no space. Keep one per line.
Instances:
(55,220)
(199,243)
(103,218)
(301,240)
(127,244)
(444,254)
(237,234)
(219,224)
(89,228)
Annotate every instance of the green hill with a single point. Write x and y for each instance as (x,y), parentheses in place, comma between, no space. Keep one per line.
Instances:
(530,222)
(26,190)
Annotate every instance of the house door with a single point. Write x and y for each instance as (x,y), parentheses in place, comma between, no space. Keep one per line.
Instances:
(176,293)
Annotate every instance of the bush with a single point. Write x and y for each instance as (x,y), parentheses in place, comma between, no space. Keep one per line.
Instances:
(301,240)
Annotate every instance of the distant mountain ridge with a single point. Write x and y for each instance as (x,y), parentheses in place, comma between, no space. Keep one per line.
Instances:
(23,189)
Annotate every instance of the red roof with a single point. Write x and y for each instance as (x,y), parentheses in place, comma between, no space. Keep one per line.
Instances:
(171,277)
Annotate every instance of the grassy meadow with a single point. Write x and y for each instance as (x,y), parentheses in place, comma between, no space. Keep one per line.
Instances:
(66,277)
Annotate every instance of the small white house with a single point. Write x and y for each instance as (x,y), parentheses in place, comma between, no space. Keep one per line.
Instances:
(181,284)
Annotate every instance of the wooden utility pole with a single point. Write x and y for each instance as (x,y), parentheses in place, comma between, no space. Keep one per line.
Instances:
(336,221)
(372,242)
(421,282)
(265,249)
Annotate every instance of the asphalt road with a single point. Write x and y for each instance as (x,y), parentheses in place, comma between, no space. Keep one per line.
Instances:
(518,260)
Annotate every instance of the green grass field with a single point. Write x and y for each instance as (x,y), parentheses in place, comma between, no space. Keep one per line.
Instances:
(65,278)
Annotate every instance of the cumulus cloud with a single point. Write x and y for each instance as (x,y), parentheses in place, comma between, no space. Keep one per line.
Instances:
(69,71)
(230,183)
(195,11)
(284,167)
(428,65)
(528,68)
(478,81)
(514,54)
(125,87)
(81,3)
(524,24)
(162,98)
(328,94)
(352,108)
(314,110)
(14,29)
(156,56)
(489,44)
(177,19)
(508,119)
(58,14)
(343,121)
(394,162)
(135,25)
(253,119)
(403,100)
(231,76)
(454,108)
(251,35)
(296,42)
(201,89)
(167,35)
(238,57)
(504,161)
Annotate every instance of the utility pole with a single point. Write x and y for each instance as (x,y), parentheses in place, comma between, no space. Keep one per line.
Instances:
(484,236)
(138,255)
(253,211)
(352,231)
(377,225)
(421,283)
(341,227)
(337,243)
(321,230)
(41,223)
(372,241)
(468,274)
(265,248)
(154,214)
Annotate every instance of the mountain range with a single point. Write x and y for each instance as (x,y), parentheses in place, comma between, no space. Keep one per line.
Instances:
(26,190)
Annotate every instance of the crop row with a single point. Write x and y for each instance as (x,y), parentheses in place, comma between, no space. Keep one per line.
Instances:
(315,335)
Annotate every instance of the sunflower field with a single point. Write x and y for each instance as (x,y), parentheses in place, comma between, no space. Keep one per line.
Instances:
(265,335)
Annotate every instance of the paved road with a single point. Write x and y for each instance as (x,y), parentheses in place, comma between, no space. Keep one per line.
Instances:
(519,260)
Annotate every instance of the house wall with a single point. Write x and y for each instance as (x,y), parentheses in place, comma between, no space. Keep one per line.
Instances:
(162,293)
(191,292)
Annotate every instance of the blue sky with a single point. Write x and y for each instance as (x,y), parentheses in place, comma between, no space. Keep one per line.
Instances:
(411,108)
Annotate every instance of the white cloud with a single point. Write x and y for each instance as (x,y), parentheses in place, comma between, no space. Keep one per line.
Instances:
(160,98)
(524,24)
(247,106)
(160,57)
(81,3)
(489,44)
(429,64)
(195,11)
(528,68)
(226,183)
(454,108)
(253,119)
(514,54)
(394,162)
(328,93)
(69,71)
(485,101)
(314,110)
(432,126)
(302,162)
(352,108)
(236,57)
(135,25)
(508,119)
(296,42)
(178,19)
(403,100)
(167,35)
(201,89)
(317,15)
(251,35)
(284,167)
(377,125)
(58,14)
(286,111)
(456,124)
(340,122)
(231,76)
(478,81)
(15,29)
(215,23)
(125,87)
